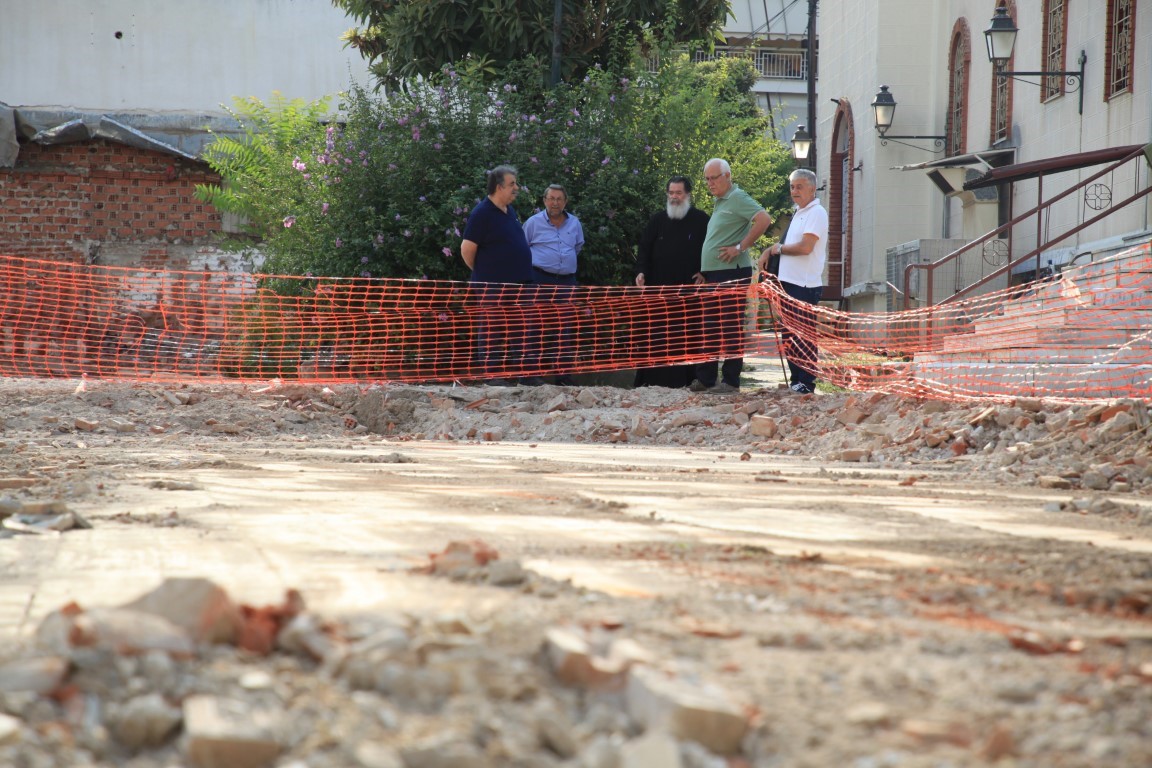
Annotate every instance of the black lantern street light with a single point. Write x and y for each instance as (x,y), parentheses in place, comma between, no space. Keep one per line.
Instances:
(884,108)
(1000,38)
(801,145)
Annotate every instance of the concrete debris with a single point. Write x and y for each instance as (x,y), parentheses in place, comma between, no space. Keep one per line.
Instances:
(185,675)
(686,710)
(198,606)
(40,675)
(230,733)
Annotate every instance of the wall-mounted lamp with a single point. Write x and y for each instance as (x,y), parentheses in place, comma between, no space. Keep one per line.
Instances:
(801,144)
(1000,37)
(884,107)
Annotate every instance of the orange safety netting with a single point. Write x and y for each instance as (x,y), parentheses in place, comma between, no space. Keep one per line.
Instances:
(1081,334)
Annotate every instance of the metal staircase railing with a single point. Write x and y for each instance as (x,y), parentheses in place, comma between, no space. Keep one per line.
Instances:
(954,259)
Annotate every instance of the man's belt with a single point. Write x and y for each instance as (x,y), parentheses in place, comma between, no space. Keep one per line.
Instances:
(554,274)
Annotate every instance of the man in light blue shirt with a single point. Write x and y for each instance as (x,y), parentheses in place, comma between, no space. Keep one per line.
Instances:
(555,237)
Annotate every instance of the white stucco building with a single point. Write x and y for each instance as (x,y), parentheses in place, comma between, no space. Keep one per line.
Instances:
(774,33)
(170,69)
(893,199)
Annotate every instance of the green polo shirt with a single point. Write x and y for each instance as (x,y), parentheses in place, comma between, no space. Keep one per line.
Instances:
(731,220)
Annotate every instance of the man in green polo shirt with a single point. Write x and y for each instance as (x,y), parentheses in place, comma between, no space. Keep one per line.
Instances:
(737,222)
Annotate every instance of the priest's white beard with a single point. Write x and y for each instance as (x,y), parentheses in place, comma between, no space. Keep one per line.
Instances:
(679,211)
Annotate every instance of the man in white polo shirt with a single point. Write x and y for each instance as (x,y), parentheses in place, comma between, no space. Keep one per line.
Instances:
(801,272)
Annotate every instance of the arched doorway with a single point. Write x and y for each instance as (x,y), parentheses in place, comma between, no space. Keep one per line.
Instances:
(839,196)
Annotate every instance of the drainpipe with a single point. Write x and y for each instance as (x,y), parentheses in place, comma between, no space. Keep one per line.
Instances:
(812,82)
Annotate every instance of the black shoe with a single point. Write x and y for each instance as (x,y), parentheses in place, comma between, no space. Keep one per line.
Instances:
(801,388)
(699,386)
(565,381)
(500,383)
(532,381)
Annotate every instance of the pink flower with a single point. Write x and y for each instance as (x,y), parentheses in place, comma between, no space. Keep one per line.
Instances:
(446,251)
(289,221)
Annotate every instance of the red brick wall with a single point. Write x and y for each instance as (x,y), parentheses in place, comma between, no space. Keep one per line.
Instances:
(66,200)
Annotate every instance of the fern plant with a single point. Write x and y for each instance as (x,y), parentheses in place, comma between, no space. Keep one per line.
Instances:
(257,167)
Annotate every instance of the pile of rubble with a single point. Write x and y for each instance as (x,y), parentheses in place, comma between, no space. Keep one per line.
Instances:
(1086,448)
(184,675)
(1097,446)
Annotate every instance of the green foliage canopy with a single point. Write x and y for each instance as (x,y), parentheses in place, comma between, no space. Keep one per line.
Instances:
(406,38)
(386,191)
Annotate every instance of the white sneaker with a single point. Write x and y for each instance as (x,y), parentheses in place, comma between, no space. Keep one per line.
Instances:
(801,388)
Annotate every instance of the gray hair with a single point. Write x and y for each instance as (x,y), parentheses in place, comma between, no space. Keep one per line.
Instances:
(497,174)
(724,167)
(803,173)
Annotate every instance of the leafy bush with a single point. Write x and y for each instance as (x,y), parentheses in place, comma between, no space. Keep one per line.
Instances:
(386,191)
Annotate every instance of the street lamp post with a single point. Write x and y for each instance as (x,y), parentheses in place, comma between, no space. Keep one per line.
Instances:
(801,146)
(1000,38)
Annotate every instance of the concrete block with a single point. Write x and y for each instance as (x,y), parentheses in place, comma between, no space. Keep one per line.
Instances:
(199,605)
(652,750)
(687,711)
(37,675)
(226,733)
(763,426)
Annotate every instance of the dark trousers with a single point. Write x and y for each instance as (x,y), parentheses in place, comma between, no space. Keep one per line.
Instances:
(724,328)
(550,278)
(797,331)
(557,344)
(507,341)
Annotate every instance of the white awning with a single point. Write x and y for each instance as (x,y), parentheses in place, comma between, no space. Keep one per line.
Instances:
(950,174)
(989,158)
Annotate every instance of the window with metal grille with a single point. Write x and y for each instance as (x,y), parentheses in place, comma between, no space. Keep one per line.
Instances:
(1055,18)
(1121,40)
(958,74)
(1000,104)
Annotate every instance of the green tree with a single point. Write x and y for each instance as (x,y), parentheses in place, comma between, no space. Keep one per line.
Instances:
(386,191)
(406,38)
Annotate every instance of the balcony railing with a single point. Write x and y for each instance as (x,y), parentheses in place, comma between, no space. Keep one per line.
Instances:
(774,64)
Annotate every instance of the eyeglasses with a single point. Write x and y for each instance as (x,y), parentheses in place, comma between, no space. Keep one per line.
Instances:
(713,178)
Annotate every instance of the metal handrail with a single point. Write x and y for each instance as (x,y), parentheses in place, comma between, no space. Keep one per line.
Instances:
(930,268)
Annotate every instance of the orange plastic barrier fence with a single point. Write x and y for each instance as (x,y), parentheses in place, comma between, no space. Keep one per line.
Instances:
(1082,334)
(63,320)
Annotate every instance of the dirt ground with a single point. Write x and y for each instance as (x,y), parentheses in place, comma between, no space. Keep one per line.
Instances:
(867,581)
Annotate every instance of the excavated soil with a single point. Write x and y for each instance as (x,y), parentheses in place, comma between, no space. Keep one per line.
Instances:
(868,581)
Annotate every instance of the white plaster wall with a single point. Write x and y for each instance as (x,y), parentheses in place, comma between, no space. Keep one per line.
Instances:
(1055,128)
(172,55)
(904,44)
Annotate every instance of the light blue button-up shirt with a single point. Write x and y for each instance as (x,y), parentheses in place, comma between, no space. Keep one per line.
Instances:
(554,249)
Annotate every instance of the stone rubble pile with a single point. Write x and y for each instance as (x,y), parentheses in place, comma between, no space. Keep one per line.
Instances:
(1082,448)
(185,676)
(1093,447)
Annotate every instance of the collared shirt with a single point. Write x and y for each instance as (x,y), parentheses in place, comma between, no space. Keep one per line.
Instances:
(554,248)
(502,254)
(731,220)
(807,271)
